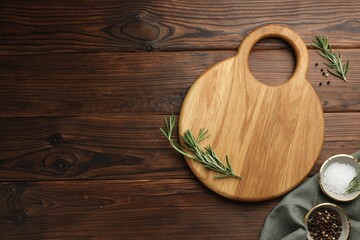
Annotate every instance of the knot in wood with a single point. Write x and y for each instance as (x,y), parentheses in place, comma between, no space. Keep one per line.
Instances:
(18,218)
(55,139)
(150,47)
(61,165)
(141,30)
(60,161)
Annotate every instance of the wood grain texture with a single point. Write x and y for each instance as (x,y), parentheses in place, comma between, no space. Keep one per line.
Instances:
(79,84)
(84,86)
(126,147)
(268,132)
(65,26)
(160,209)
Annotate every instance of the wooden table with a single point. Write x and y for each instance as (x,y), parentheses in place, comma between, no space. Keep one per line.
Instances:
(85,86)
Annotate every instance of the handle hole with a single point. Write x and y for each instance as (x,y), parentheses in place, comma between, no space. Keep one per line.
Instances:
(272,61)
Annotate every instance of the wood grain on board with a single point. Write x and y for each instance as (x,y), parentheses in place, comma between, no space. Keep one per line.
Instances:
(270,132)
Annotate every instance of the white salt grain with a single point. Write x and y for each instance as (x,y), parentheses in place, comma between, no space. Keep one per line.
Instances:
(338,176)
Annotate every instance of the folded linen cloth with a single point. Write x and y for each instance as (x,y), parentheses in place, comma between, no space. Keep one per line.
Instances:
(286,220)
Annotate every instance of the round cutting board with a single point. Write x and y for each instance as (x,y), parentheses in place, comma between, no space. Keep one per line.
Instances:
(272,134)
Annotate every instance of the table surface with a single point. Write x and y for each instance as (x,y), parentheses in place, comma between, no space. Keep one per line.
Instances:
(85,86)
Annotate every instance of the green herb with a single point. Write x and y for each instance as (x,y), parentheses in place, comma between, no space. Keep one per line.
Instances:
(191,149)
(339,69)
(354,185)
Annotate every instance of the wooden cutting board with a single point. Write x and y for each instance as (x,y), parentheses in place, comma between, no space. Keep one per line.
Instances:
(272,134)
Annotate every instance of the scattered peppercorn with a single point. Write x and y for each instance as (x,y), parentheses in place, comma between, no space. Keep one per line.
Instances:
(320,83)
(328,82)
(324,223)
(316,64)
(321,70)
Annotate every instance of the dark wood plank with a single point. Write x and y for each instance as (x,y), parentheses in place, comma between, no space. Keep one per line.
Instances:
(80,111)
(64,26)
(83,148)
(77,84)
(158,209)
(127,147)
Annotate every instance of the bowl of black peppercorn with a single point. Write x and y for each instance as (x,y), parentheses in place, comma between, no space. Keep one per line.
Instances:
(327,221)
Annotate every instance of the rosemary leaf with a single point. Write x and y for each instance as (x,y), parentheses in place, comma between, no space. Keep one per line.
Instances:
(191,149)
(354,185)
(335,61)
(334,74)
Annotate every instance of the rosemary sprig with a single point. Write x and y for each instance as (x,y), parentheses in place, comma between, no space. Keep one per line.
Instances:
(340,70)
(191,149)
(354,185)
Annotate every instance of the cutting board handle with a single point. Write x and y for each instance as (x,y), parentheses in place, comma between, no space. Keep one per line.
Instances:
(284,33)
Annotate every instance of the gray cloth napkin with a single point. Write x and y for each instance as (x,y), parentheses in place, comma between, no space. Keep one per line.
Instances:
(285,222)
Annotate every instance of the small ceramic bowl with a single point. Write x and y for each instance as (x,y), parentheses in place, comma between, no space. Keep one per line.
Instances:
(344,159)
(345,221)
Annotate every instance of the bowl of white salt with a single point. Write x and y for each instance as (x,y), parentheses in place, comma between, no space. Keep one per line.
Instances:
(336,174)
